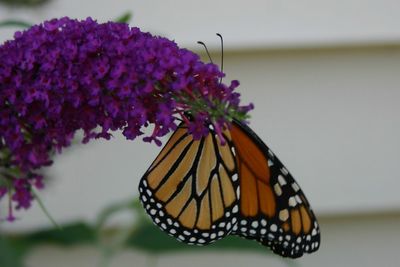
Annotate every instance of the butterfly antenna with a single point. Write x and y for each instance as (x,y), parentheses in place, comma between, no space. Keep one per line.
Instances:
(208,53)
(222,55)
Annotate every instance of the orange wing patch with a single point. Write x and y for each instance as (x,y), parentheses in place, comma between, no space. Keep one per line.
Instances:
(254,173)
(273,209)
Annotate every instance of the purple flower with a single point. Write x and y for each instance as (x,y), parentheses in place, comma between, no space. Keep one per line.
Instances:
(198,128)
(67,75)
(22,195)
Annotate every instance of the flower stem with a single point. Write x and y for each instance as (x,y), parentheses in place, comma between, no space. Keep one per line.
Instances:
(45,211)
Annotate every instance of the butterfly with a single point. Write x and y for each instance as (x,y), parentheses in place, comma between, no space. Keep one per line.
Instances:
(200,191)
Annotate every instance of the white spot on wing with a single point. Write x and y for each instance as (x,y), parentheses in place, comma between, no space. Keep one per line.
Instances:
(284,171)
(298,199)
(292,202)
(234,177)
(295,187)
(281,180)
(235,209)
(284,215)
(277,189)
(314,232)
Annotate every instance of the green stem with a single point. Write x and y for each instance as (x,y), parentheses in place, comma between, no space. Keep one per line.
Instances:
(45,211)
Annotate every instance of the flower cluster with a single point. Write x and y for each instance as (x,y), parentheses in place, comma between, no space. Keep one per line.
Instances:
(66,75)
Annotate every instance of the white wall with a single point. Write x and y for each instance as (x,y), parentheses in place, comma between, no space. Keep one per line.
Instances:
(245,24)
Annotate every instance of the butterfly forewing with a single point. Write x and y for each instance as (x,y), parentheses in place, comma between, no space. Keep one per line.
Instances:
(189,192)
(273,209)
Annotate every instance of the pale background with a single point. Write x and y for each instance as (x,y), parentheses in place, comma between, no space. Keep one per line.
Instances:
(325,80)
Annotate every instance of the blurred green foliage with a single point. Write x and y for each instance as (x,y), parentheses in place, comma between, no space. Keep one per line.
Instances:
(146,237)
(15,23)
(31,3)
(11,253)
(124,18)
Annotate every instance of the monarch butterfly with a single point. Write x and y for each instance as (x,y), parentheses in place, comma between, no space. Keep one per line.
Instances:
(199,191)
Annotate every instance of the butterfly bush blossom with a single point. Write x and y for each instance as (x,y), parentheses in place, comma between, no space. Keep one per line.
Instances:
(66,75)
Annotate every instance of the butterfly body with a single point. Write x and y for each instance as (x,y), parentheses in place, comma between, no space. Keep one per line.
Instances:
(200,191)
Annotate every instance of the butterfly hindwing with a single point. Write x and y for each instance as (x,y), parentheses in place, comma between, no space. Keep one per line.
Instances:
(189,192)
(273,208)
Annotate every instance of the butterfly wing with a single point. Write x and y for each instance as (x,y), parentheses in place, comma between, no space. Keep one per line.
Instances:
(188,191)
(273,208)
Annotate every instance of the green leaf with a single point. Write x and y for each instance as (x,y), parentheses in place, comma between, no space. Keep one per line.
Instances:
(72,234)
(12,253)
(15,23)
(28,3)
(125,18)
